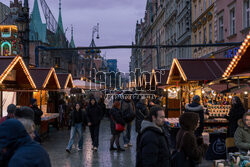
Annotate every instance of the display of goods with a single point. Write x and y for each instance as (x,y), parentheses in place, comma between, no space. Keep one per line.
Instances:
(172,122)
(216,111)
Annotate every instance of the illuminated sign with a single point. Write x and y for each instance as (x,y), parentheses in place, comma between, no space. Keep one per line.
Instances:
(231,52)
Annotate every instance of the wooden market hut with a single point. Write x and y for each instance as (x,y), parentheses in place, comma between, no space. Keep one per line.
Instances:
(158,78)
(47,84)
(238,73)
(191,74)
(15,77)
(65,80)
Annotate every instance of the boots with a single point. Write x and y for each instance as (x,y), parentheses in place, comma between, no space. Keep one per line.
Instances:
(112,148)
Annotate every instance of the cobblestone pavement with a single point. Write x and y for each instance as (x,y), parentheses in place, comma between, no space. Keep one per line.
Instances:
(57,141)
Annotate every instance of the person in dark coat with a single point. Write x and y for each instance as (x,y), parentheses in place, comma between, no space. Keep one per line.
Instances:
(197,108)
(236,112)
(11,109)
(192,146)
(102,105)
(116,117)
(38,113)
(18,149)
(77,118)
(141,113)
(152,147)
(94,114)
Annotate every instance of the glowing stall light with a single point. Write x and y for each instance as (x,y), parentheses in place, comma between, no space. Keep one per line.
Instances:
(203,91)
(245,92)
(230,97)
(2,48)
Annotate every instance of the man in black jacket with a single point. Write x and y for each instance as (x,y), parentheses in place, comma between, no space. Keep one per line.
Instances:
(141,112)
(38,113)
(152,144)
(197,108)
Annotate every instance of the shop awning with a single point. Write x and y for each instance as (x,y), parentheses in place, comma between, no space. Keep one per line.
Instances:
(240,64)
(65,80)
(14,74)
(45,78)
(184,70)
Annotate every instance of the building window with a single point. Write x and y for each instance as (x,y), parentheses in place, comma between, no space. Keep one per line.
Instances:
(205,35)
(195,39)
(232,21)
(210,2)
(210,32)
(221,28)
(204,4)
(199,7)
(246,13)
(199,37)
(195,11)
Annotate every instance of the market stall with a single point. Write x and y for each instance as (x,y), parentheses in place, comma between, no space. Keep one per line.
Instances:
(47,96)
(16,83)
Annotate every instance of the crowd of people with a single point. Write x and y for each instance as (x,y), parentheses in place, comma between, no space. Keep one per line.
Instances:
(154,146)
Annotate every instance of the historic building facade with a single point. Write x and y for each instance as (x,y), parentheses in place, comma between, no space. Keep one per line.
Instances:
(4,11)
(227,27)
(202,27)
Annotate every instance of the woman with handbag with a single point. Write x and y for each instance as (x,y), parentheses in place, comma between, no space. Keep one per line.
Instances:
(117,125)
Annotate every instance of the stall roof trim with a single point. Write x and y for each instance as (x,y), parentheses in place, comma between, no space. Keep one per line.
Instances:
(198,69)
(65,80)
(42,76)
(160,76)
(240,62)
(7,65)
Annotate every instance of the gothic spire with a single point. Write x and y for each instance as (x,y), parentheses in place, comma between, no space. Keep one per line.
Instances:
(72,43)
(60,24)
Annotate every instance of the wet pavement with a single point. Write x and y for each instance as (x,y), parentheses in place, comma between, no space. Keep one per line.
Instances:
(57,141)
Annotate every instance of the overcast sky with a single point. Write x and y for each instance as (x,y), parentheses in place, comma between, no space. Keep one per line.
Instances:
(117,19)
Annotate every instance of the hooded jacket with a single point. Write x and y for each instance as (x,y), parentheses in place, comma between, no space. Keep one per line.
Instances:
(193,148)
(21,149)
(94,113)
(197,108)
(242,135)
(153,146)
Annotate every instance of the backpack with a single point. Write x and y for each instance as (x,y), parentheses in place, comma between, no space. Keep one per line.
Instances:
(128,114)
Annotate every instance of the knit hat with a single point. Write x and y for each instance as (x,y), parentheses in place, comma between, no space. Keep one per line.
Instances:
(11,108)
(196,98)
(25,112)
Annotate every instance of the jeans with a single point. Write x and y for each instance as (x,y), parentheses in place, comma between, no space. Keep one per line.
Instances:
(127,133)
(94,131)
(77,128)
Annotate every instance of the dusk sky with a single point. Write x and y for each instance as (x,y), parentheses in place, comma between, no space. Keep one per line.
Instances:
(117,19)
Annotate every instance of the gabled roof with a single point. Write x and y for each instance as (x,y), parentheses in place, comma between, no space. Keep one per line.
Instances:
(23,77)
(45,78)
(159,77)
(240,64)
(184,70)
(65,80)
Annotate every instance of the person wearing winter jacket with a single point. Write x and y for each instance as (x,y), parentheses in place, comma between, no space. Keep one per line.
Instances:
(116,117)
(38,113)
(94,113)
(11,109)
(242,134)
(152,144)
(192,146)
(236,112)
(77,118)
(141,113)
(197,108)
(18,149)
